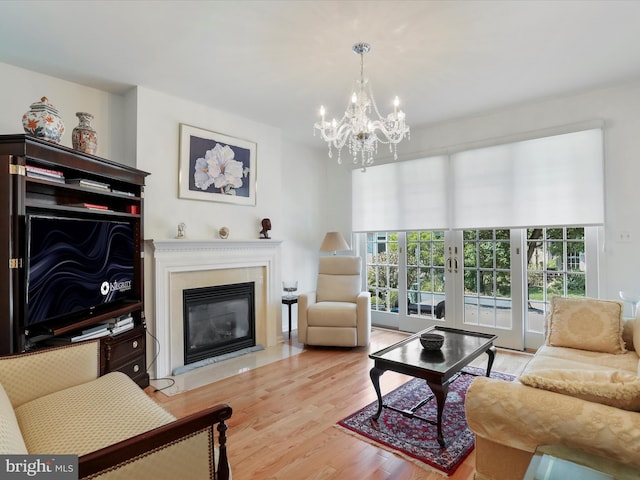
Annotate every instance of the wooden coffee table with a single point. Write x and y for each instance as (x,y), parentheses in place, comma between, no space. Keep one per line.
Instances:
(439,368)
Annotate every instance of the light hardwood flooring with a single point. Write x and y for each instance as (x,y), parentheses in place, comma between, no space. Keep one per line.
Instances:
(284,414)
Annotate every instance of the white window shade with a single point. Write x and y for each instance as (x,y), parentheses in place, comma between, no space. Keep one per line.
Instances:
(401,196)
(547,181)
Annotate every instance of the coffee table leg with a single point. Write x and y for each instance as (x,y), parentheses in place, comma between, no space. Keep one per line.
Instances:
(440,391)
(375,379)
(492,356)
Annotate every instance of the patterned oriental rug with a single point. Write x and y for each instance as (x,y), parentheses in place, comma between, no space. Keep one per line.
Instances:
(415,439)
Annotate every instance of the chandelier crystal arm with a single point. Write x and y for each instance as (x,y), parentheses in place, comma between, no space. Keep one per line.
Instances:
(340,136)
(336,135)
(357,129)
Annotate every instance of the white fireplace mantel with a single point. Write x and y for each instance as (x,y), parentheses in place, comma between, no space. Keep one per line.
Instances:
(175,259)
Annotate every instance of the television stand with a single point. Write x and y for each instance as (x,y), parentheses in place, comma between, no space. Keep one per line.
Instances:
(40,178)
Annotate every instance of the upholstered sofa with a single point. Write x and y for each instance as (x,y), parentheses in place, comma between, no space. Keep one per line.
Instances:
(53,402)
(580,391)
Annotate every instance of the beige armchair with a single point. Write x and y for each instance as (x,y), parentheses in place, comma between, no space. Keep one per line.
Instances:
(338,313)
(52,402)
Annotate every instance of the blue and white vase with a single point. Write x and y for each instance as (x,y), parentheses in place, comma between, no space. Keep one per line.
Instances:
(43,121)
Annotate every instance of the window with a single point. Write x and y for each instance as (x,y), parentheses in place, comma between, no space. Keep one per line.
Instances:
(382,270)
(425,272)
(487,278)
(556,265)
(465,220)
(504,280)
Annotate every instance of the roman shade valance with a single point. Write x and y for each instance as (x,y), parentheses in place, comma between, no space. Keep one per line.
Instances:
(550,181)
(401,196)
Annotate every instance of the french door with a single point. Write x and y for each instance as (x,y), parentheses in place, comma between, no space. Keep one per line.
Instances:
(487,292)
(473,274)
(496,281)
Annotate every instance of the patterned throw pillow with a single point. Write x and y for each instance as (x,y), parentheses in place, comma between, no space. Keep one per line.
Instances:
(586,324)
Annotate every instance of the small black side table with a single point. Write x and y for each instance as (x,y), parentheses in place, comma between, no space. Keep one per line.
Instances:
(286,300)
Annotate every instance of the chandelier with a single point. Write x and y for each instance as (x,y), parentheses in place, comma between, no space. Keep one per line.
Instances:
(355,128)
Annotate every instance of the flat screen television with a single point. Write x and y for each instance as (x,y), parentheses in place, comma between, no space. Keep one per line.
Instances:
(76,266)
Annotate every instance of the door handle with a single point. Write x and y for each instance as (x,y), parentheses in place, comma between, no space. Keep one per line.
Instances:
(452,264)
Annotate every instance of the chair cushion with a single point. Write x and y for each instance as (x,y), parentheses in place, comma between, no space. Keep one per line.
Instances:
(49,370)
(338,279)
(332,337)
(586,324)
(340,265)
(332,314)
(87,417)
(615,388)
(338,288)
(548,357)
(11,442)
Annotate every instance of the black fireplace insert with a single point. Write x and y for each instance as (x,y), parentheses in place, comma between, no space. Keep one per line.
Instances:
(218,320)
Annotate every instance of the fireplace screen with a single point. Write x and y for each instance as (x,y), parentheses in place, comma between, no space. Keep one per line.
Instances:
(218,320)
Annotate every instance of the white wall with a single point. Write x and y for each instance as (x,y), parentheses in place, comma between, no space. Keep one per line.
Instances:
(291,183)
(620,109)
(158,140)
(21,88)
(303,213)
(303,191)
(141,129)
(337,194)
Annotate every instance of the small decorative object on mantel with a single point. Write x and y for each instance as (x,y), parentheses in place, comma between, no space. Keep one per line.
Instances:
(182,227)
(83,137)
(223,233)
(266,226)
(43,121)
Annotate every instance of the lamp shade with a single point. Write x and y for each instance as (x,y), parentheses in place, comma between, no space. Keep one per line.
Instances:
(333,242)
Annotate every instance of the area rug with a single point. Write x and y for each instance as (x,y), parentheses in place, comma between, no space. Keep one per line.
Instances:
(415,439)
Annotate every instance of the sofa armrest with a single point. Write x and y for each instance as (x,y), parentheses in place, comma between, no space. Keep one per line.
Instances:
(363,314)
(49,370)
(522,417)
(305,300)
(181,449)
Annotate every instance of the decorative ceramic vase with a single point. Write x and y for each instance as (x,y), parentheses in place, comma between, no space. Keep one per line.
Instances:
(43,121)
(84,138)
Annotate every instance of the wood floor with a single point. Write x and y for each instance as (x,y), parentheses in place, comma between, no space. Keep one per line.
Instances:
(284,415)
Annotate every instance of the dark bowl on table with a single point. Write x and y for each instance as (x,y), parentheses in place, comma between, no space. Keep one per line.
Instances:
(431,341)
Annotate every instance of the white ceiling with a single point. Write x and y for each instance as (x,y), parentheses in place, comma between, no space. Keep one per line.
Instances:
(277,61)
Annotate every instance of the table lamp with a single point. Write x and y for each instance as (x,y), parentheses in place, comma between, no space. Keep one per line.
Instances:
(334,242)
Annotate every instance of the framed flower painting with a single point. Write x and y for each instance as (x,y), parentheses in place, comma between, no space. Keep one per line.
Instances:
(216,167)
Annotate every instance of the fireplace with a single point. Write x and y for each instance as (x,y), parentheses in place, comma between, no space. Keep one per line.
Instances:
(178,265)
(218,320)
